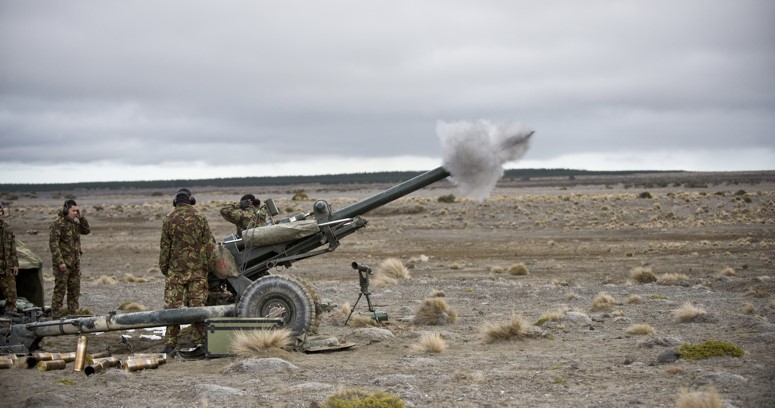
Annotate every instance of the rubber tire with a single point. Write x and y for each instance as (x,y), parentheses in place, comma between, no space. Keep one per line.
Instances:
(276,290)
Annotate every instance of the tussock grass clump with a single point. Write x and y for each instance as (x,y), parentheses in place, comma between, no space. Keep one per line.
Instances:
(455,266)
(699,399)
(640,329)
(356,398)
(447,199)
(357,320)
(687,313)
(431,342)
(134,279)
(728,271)
(435,311)
(515,328)
(642,274)
(708,349)
(603,301)
(633,299)
(497,269)
(757,293)
(346,308)
(247,343)
(393,268)
(383,280)
(129,305)
(519,269)
(749,308)
(438,293)
(105,280)
(672,278)
(552,316)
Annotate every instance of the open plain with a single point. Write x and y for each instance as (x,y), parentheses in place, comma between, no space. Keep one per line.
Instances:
(709,242)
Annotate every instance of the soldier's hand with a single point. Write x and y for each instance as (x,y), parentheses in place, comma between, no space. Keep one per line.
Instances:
(15,271)
(62,268)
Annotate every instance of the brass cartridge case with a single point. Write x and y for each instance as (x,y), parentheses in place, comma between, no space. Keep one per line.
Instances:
(49,365)
(6,362)
(91,358)
(162,357)
(80,353)
(101,364)
(139,364)
(35,358)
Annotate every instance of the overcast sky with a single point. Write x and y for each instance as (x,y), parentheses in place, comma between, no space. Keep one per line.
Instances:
(136,90)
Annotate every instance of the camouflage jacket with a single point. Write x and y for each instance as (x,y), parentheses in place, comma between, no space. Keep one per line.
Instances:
(250,218)
(64,240)
(187,245)
(9,258)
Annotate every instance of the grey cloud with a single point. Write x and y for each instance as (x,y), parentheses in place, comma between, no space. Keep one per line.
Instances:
(139,82)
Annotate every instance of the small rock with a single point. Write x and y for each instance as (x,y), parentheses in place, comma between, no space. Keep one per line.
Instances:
(262,365)
(667,357)
(374,334)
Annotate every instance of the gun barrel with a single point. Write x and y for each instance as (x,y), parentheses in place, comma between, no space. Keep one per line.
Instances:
(391,194)
(125,321)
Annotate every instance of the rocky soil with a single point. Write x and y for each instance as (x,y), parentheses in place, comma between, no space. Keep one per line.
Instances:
(710,246)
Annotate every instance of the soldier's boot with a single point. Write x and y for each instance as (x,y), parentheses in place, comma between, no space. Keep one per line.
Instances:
(2,310)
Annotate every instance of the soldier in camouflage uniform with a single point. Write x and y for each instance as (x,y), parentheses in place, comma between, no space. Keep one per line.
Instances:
(9,265)
(186,253)
(65,245)
(245,214)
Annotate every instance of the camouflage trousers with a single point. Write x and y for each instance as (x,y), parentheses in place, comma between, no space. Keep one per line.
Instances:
(192,293)
(66,283)
(8,287)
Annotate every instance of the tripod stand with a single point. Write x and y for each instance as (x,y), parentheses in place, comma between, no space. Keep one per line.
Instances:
(363,278)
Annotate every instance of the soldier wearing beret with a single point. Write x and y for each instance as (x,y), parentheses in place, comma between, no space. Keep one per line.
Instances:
(65,245)
(9,265)
(186,253)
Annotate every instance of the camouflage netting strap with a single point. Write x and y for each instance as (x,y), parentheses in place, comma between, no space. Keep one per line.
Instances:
(275,234)
(27,259)
(224,266)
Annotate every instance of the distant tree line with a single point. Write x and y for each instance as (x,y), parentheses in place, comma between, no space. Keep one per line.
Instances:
(385,177)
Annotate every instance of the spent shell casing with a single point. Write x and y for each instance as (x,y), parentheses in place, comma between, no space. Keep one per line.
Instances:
(49,365)
(80,353)
(109,361)
(162,357)
(139,364)
(91,358)
(6,363)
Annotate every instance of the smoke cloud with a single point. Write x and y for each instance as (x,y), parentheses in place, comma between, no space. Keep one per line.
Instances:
(474,152)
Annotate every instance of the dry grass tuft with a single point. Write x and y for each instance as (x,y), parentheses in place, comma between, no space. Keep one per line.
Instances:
(497,269)
(455,266)
(749,308)
(357,320)
(757,293)
(251,342)
(346,308)
(552,316)
(519,269)
(688,313)
(430,342)
(672,278)
(105,280)
(134,279)
(633,299)
(516,328)
(728,271)
(772,304)
(132,306)
(383,280)
(435,311)
(699,399)
(640,329)
(438,293)
(642,274)
(603,301)
(393,268)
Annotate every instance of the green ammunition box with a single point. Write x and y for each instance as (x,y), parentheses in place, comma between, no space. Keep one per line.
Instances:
(220,332)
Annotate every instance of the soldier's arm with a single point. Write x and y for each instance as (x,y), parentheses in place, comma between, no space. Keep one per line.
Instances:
(210,246)
(231,213)
(164,249)
(83,226)
(54,235)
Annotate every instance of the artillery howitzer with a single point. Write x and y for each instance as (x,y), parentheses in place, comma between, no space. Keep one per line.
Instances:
(249,290)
